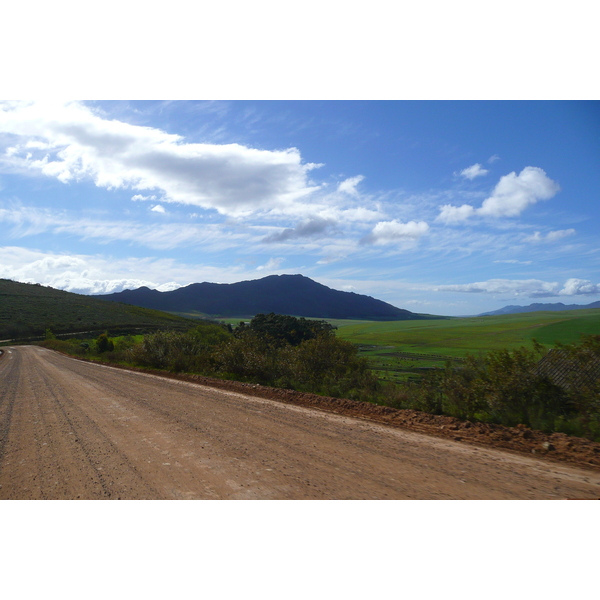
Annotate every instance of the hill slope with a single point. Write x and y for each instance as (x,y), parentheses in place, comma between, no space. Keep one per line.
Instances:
(28,309)
(555,306)
(283,294)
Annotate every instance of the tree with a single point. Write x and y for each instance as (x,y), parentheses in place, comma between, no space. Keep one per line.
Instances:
(282,329)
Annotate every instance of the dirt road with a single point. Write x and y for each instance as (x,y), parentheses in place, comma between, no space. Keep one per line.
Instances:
(70,429)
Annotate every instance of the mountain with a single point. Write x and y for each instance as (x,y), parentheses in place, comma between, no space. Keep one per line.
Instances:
(282,294)
(511,310)
(27,310)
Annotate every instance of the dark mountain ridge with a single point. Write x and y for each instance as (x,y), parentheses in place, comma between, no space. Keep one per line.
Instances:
(282,294)
(551,306)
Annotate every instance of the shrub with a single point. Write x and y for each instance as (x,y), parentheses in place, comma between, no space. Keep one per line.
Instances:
(104,343)
(190,351)
(248,355)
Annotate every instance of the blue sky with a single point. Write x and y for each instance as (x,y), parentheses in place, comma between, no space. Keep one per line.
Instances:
(444,207)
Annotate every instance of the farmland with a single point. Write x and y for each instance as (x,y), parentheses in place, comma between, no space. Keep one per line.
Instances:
(398,350)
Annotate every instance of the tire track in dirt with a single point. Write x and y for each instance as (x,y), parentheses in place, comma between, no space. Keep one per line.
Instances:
(96,455)
(49,440)
(7,400)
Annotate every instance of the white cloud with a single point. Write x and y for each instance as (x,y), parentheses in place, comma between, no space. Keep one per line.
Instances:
(551,236)
(533,288)
(514,262)
(517,287)
(356,214)
(271,265)
(473,171)
(455,214)
(168,287)
(493,159)
(29,221)
(514,193)
(159,209)
(579,287)
(348,186)
(558,235)
(511,196)
(331,258)
(75,143)
(536,237)
(388,232)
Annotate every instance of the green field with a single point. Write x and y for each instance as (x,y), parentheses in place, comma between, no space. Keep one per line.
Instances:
(398,350)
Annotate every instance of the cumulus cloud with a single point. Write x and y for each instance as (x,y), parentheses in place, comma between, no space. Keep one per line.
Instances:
(511,196)
(551,236)
(159,209)
(389,232)
(579,287)
(309,228)
(514,193)
(69,141)
(493,159)
(473,171)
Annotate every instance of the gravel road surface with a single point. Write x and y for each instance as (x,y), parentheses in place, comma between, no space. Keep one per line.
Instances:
(72,429)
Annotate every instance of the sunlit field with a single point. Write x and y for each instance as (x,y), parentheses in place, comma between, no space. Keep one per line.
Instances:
(397,349)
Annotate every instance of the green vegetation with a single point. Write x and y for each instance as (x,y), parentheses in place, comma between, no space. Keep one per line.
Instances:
(30,310)
(511,388)
(403,350)
(275,350)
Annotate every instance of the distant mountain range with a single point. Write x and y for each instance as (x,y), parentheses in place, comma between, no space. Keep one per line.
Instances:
(282,294)
(509,310)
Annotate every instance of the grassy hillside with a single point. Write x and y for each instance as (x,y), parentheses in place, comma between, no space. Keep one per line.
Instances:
(29,309)
(398,348)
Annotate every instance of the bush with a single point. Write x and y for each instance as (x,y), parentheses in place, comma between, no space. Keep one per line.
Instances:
(332,366)
(104,344)
(248,356)
(323,364)
(190,351)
